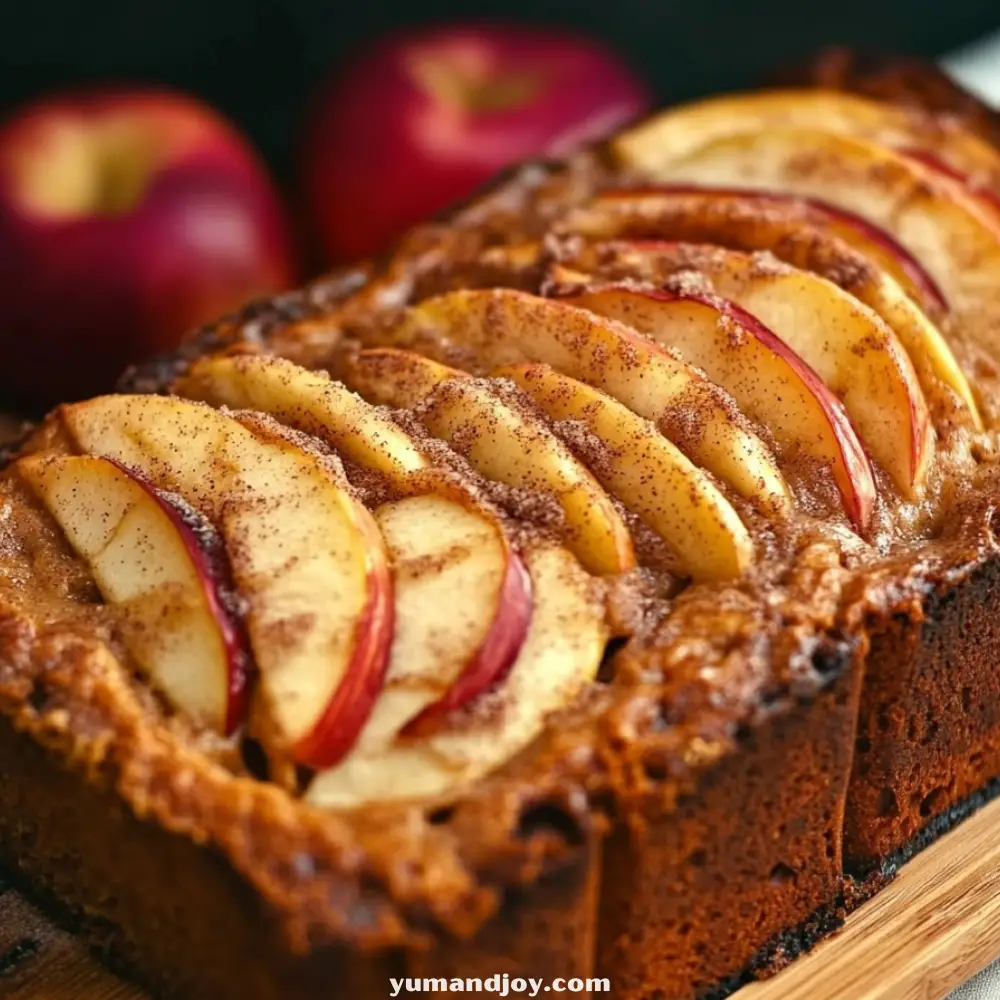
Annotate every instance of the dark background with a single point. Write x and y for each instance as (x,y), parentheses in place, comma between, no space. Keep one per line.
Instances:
(260,59)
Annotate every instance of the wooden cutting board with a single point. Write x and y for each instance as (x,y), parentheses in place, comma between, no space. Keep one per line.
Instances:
(933,928)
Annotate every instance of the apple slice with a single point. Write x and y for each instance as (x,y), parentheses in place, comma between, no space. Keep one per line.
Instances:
(163,566)
(507,443)
(634,212)
(495,327)
(684,507)
(846,344)
(988,193)
(309,402)
(463,607)
(952,236)
(771,382)
(308,559)
(678,132)
(389,376)
(800,236)
(560,657)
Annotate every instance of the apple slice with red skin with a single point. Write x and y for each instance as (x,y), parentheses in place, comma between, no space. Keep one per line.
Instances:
(306,557)
(559,659)
(506,443)
(482,329)
(162,566)
(770,382)
(463,608)
(363,664)
(797,235)
(970,182)
(949,150)
(628,211)
(953,236)
(677,132)
(309,402)
(647,474)
(847,345)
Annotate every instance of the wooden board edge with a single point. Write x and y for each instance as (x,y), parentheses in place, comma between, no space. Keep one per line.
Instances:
(931,929)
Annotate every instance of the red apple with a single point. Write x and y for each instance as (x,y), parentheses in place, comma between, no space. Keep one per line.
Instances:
(126,218)
(423,119)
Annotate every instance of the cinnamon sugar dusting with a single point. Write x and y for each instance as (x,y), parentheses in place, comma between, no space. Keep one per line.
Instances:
(529,515)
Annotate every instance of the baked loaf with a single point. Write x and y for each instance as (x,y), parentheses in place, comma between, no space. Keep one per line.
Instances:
(603,584)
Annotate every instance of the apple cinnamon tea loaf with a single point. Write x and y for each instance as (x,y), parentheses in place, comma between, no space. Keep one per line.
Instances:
(604,583)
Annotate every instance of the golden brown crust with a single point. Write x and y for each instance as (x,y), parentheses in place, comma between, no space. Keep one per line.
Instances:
(900,80)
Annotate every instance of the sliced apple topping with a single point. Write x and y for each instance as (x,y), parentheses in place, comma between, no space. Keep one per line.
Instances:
(952,236)
(852,350)
(463,607)
(162,566)
(770,381)
(309,402)
(855,354)
(679,131)
(498,327)
(392,377)
(639,212)
(506,443)
(798,235)
(648,474)
(307,558)
(560,657)
(971,181)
